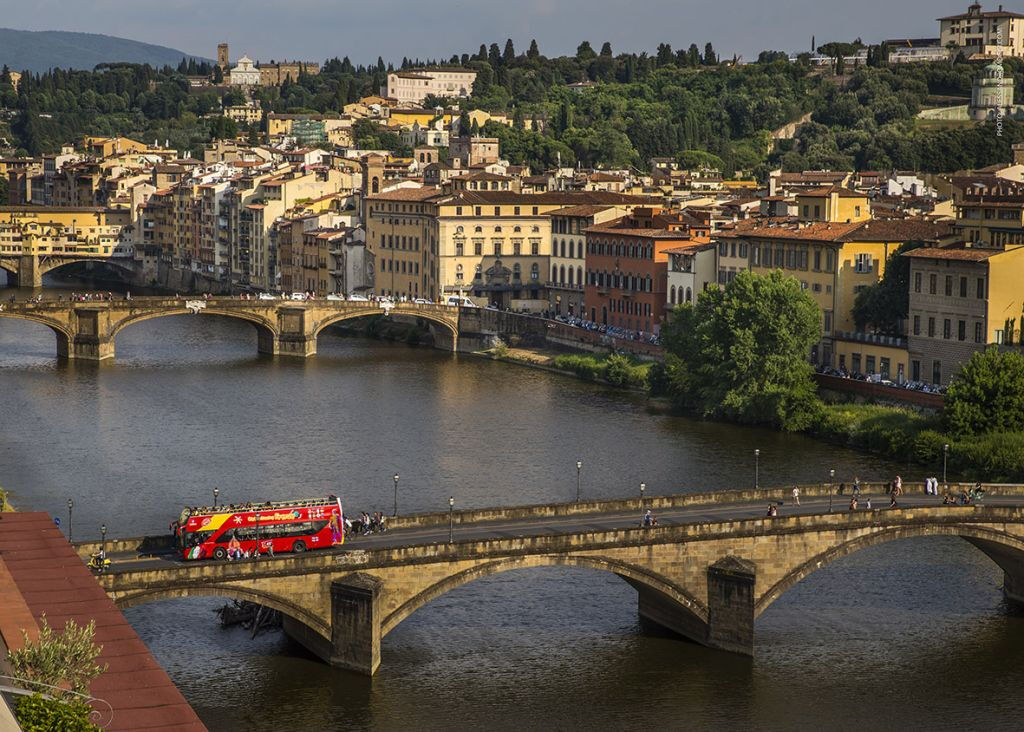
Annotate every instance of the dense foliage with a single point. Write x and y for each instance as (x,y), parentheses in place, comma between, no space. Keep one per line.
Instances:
(39,714)
(682,103)
(741,352)
(614,369)
(884,304)
(67,658)
(987,395)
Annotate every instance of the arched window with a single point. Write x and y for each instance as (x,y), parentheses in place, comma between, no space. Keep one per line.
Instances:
(478,229)
(571,277)
(561,275)
(497,229)
(517,229)
(516,271)
(579,276)
(672,295)
(689,295)
(375,185)
(649,283)
(554,273)
(535,272)
(458,229)
(572,249)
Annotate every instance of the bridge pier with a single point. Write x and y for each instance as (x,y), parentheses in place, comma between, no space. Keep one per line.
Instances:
(355,623)
(30,274)
(731,605)
(1011,561)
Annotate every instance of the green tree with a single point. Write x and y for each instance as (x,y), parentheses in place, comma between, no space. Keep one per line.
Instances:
(883,305)
(741,352)
(38,714)
(584,52)
(987,396)
(54,660)
(534,50)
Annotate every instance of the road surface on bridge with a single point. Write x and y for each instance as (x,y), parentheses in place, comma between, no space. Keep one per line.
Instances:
(581,523)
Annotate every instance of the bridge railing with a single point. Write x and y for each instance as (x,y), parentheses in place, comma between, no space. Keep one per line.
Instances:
(782,494)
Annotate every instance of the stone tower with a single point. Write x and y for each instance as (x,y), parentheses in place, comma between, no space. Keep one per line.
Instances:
(223,59)
(992,93)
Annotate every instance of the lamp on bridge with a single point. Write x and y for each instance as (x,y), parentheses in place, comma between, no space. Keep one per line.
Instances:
(71,505)
(395,513)
(831,487)
(103,533)
(757,466)
(945,458)
(643,487)
(216,492)
(451,519)
(579,467)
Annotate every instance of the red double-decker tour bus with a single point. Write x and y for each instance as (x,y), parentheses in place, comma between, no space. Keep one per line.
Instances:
(249,530)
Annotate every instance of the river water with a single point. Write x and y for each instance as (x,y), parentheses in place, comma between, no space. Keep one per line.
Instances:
(912,633)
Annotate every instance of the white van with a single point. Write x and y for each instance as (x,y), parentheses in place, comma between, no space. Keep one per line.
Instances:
(460,301)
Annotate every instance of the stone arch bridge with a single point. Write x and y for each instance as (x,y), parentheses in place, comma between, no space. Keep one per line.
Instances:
(27,270)
(87,330)
(706,580)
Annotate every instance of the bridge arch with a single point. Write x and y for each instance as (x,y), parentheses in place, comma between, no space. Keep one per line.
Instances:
(60,329)
(639,577)
(1004,549)
(448,324)
(293,611)
(265,328)
(47,265)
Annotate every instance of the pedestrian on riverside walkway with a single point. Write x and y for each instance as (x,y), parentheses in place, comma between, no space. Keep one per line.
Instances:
(892,500)
(856,487)
(796,495)
(868,505)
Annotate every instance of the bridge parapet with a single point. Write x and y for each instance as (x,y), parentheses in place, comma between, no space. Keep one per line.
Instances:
(86,330)
(678,571)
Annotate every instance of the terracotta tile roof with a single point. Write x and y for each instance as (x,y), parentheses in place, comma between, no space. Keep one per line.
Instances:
(955,252)
(582,210)
(829,190)
(54,581)
(406,194)
(984,15)
(689,249)
(826,232)
(899,230)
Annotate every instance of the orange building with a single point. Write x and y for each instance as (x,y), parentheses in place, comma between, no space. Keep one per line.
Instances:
(627,267)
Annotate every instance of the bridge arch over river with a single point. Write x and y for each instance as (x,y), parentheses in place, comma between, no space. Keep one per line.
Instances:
(706,581)
(87,330)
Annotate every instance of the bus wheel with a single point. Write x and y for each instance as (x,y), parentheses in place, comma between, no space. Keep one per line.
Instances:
(220,553)
(299,547)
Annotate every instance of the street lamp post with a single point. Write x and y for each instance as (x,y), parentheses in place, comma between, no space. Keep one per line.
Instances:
(71,505)
(396,495)
(831,487)
(216,492)
(579,467)
(103,533)
(757,467)
(643,487)
(451,519)
(945,457)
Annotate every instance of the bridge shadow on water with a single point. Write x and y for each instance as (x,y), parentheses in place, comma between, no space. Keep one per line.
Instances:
(912,633)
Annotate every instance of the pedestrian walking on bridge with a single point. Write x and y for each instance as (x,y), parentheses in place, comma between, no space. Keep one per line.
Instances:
(796,495)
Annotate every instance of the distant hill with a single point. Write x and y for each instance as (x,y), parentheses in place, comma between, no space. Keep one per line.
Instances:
(39,51)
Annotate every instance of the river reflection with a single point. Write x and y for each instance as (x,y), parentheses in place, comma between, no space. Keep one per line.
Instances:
(907,634)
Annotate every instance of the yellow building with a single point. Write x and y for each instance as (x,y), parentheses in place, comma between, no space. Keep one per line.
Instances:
(401,232)
(407,117)
(53,230)
(833,262)
(989,211)
(963,297)
(833,204)
(491,245)
(991,33)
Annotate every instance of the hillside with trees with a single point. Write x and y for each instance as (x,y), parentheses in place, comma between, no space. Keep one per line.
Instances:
(684,103)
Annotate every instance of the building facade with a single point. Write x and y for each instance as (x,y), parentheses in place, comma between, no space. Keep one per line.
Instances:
(412,86)
(991,33)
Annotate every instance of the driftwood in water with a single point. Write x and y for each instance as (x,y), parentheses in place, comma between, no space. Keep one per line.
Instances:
(249,615)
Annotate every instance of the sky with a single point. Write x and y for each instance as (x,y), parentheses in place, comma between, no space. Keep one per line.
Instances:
(314,30)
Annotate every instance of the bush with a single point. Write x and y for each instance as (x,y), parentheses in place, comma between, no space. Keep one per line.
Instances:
(987,395)
(616,369)
(38,714)
(997,457)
